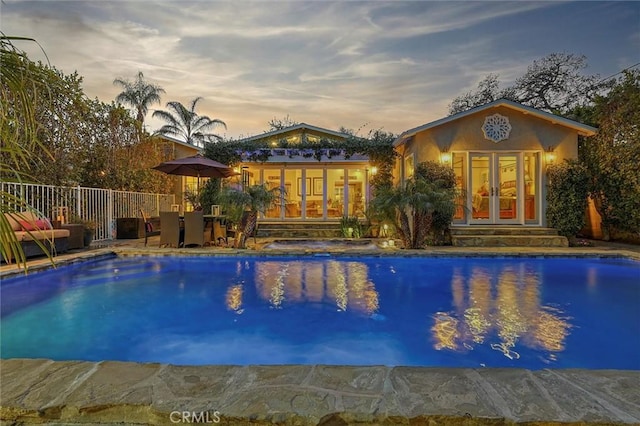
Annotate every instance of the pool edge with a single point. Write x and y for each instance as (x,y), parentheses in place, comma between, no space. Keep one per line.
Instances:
(7,271)
(39,390)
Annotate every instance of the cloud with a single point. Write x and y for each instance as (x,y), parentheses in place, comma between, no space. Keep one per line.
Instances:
(392,64)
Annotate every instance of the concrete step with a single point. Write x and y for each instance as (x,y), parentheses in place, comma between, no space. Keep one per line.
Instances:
(305,229)
(484,240)
(502,230)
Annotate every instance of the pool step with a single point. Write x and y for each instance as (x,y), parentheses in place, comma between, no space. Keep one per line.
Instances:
(499,236)
(306,229)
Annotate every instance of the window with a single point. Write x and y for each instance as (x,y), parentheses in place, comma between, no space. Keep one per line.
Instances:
(409,166)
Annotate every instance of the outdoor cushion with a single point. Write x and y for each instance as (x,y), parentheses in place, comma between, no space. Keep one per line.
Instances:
(40,224)
(13,221)
(42,234)
(16,220)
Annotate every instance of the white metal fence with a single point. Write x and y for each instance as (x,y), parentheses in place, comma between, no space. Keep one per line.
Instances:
(101,206)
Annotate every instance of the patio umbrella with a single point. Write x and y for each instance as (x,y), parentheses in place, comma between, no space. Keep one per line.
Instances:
(197,166)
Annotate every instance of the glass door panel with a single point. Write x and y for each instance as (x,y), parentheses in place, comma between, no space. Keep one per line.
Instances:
(295,192)
(459,165)
(356,180)
(315,194)
(530,187)
(480,185)
(335,195)
(507,188)
(272,180)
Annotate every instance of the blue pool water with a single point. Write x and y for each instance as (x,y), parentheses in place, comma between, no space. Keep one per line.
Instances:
(471,312)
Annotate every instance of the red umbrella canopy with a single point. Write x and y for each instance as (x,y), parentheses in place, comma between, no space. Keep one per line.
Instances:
(196,166)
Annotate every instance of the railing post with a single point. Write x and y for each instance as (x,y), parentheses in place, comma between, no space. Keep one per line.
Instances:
(110,214)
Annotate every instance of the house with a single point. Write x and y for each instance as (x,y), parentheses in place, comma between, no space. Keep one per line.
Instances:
(499,153)
(175,149)
(324,190)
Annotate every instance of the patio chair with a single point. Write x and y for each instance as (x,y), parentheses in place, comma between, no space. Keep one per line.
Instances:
(220,232)
(194,230)
(169,229)
(148,227)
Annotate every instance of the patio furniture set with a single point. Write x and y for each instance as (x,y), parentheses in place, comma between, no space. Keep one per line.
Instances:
(191,229)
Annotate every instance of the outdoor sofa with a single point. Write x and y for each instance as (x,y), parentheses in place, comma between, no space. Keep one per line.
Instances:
(29,228)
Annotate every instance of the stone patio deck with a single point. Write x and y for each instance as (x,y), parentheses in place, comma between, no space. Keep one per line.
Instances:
(36,391)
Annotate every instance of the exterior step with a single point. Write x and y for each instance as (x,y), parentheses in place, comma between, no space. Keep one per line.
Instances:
(305,229)
(488,240)
(501,230)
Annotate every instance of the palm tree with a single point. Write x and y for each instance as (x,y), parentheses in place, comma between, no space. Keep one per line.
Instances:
(186,125)
(138,94)
(242,208)
(22,87)
(417,208)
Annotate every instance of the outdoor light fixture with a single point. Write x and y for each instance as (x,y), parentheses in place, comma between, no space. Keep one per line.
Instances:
(550,156)
(374,170)
(385,231)
(445,157)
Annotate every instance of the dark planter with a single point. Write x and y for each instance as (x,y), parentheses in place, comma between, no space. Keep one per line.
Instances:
(88,237)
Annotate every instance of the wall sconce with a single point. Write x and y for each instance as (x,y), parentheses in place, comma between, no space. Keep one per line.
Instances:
(445,158)
(374,170)
(550,156)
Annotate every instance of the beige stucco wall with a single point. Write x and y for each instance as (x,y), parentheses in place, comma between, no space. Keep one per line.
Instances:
(181,151)
(528,133)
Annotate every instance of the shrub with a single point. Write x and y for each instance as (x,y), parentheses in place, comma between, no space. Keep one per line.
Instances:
(567,191)
(350,227)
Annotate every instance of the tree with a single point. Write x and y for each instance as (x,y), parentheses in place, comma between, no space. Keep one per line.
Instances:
(22,88)
(114,158)
(488,91)
(139,95)
(415,207)
(611,156)
(242,208)
(279,124)
(554,83)
(186,125)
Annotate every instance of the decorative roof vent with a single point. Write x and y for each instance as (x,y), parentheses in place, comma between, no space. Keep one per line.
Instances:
(496,127)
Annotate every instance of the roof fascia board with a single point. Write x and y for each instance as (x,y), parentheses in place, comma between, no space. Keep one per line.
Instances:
(582,129)
(179,142)
(300,126)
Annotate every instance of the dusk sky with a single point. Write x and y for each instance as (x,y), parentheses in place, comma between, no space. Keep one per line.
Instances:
(361,65)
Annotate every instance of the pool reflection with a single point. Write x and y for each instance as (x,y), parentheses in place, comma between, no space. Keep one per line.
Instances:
(345,284)
(513,312)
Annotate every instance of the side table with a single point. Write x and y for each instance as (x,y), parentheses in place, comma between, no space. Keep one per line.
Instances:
(76,237)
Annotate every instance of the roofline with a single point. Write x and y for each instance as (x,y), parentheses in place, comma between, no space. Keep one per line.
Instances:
(582,129)
(292,128)
(179,142)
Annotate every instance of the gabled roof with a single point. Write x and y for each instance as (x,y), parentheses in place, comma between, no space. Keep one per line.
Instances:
(582,129)
(301,126)
(179,142)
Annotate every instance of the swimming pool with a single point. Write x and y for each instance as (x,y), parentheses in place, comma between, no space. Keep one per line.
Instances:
(463,312)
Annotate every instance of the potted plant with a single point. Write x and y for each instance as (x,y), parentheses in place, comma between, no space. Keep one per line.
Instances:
(89,231)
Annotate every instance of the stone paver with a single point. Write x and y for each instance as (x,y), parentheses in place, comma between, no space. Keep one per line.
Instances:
(35,391)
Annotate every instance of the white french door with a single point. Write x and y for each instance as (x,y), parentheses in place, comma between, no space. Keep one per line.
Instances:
(495,180)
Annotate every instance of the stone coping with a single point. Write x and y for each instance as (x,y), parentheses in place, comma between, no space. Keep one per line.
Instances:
(38,391)
(258,251)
